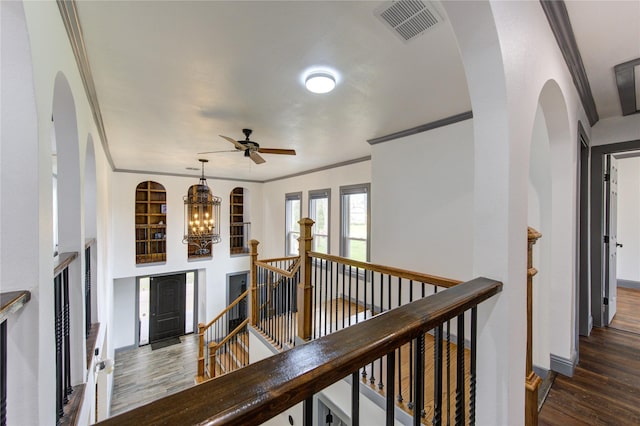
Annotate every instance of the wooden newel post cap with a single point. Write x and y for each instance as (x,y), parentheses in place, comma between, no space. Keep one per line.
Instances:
(532,234)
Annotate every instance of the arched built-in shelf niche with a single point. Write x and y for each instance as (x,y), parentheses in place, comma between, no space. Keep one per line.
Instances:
(151,223)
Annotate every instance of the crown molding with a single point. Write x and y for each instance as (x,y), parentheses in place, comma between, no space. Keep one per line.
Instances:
(558,17)
(423,128)
(71,20)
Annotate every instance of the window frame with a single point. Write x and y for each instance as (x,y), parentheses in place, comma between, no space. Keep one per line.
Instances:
(319,194)
(291,196)
(362,188)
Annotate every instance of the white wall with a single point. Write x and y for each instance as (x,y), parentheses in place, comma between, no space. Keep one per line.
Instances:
(43,58)
(213,271)
(539,217)
(272,244)
(509,54)
(124,312)
(628,267)
(422,208)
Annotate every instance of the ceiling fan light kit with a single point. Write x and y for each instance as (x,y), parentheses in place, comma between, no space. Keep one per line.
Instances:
(252,149)
(320,82)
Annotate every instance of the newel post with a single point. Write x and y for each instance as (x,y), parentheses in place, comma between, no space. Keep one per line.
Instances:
(532,381)
(253,251)
(201,328)
(305,310)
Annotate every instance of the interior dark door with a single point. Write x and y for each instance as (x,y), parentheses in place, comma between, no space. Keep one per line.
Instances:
(237,286)
(611,238)
(167,307)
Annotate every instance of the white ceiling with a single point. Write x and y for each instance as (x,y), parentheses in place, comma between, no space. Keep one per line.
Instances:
(172,76)
(607,33)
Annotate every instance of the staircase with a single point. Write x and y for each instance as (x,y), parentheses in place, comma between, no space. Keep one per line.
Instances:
(224,342)
(236,356)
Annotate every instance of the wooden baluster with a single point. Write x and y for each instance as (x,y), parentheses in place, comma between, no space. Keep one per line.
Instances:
(532,381)
(212,359)
(201,351)
(253,247)
(305,311)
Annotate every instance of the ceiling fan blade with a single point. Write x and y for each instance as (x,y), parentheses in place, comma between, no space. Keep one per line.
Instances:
(215,152)
(277,151)
(256,157)
(235,142)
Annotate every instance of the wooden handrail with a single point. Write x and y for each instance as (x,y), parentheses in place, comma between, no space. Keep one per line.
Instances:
(286,273)
(233,333)
(396,272)
(279,259)
(249,397)
(227,309)
(64,260)
(12,301)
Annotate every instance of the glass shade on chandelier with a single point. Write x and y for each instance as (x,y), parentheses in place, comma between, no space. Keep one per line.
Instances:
(201,213)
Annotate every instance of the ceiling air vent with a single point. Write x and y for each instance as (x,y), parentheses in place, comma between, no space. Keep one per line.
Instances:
(408,18)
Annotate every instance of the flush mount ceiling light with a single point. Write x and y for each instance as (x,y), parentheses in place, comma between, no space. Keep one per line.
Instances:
(320,82)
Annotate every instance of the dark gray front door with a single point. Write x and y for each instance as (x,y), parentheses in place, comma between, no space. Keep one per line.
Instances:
(167,307)
(611,239)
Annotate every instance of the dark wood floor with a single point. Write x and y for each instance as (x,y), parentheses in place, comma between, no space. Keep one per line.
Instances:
(627,316)
(605,388)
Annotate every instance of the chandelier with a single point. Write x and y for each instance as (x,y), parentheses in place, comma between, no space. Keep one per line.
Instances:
(201,218)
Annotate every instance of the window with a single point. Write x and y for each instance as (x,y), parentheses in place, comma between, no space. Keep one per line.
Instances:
(355,224)
(319,211)
(292,227)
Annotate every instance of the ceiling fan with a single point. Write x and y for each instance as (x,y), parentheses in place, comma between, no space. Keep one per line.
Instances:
(251,148)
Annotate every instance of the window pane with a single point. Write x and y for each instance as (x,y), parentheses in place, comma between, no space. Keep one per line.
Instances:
(357,250)
(292,231)
(357,216)
(355,222)
(319,212)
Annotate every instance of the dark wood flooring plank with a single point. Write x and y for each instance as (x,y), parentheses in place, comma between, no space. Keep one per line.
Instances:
(605,388)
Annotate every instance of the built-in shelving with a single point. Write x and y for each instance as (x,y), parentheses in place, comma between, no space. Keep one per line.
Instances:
(151,223)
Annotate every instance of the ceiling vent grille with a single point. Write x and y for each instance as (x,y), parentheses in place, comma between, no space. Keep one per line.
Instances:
(408,18)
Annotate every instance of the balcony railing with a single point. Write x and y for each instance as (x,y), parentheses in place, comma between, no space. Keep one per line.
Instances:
(260,391)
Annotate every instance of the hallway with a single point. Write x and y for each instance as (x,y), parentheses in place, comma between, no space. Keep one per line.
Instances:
(605,388)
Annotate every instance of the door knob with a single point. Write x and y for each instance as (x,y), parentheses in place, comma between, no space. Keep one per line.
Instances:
(618,245)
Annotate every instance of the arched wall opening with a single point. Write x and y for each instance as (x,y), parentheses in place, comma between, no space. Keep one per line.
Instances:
(68,166)
(539,218)
(499,238)
(90,216)
(561,297)
(90,232)
(25,230)
(70,218)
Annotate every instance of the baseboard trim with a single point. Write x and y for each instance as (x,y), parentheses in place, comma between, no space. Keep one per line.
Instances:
(564,366)
(629,284)
(540,372)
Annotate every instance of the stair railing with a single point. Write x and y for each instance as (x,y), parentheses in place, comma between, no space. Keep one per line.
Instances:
(274,285)
(216,330)
(262,390)
(231,353)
